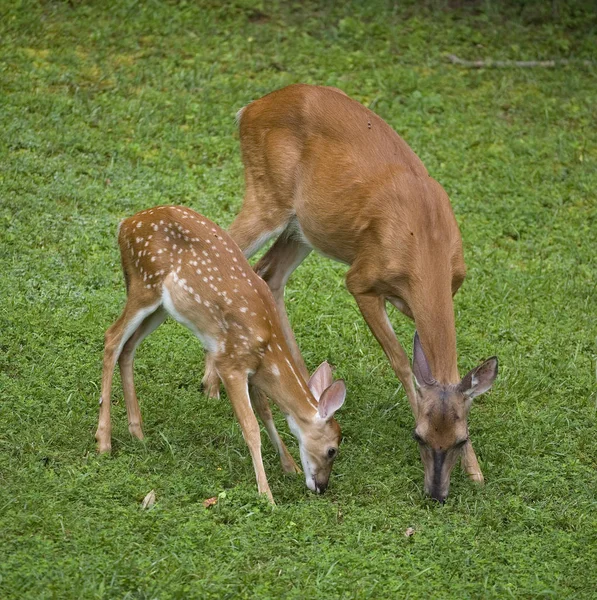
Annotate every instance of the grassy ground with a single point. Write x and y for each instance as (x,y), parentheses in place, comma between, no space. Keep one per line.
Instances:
(107,108)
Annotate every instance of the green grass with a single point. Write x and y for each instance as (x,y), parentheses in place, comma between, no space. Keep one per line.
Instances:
(108,108)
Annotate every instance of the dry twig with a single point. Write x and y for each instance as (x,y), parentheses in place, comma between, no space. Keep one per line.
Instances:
(483,64)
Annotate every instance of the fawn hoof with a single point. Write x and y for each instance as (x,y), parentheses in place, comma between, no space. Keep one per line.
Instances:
(211,389)
(290,467)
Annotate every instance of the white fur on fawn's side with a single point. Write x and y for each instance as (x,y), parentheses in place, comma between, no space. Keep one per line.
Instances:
(208,343)
(133,323)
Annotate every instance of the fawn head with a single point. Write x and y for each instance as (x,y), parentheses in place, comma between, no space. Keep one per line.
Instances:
(320,438)
(442,429)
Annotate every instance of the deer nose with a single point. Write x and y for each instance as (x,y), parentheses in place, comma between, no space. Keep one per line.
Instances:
(441,498)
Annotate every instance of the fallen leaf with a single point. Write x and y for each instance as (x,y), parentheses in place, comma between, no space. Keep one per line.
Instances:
(409,532)
(149,500)
(210,502)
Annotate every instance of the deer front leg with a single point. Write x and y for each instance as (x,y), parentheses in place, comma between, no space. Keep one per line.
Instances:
(262,407)
(103,434)
(373,309)
(238,392)
(470,464)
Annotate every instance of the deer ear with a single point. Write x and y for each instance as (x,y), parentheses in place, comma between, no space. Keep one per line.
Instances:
(421,369)
(332,399)
(320,380)
(480,379)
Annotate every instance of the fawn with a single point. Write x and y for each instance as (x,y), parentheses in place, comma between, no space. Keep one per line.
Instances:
(177,262)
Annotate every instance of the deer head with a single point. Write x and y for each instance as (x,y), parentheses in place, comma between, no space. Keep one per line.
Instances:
(441,429)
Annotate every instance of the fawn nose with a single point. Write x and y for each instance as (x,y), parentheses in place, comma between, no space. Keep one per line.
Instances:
(321,487)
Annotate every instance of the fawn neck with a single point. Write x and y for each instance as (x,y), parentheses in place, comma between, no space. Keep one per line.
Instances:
(280,379)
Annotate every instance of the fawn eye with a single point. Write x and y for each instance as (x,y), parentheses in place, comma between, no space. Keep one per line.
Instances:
(331,452)
(460,444)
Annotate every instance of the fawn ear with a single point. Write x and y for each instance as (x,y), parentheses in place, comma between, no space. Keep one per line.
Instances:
(332,399)
(480,379)
(421,369)
(320,380)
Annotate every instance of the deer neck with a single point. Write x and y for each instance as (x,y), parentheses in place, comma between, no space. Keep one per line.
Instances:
(434,319)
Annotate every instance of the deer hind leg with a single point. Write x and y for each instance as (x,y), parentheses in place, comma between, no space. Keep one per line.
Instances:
(211,379)
(116,336)
(260,219)
(259,400)
(236,386)
(470,464)
(275,267)
(125,362)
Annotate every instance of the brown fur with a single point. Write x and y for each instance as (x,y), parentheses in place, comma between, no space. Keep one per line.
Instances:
(325,172)
(178,262)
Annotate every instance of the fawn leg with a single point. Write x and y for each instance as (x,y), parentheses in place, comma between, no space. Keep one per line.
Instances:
(211,379)
(259,400)
(116,336)
(125,362)
(237,389)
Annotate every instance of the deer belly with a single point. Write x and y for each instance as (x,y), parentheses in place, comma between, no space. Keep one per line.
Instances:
(330,241)
(328,210)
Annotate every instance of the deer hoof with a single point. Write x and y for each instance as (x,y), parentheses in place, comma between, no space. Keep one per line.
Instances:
(104,447)
(136,431)
(477,478)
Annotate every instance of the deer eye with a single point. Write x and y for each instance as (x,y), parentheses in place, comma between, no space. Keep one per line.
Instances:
(331,453)
(418,438)
(460,444)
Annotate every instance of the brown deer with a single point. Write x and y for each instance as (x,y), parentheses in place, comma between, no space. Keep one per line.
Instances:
(178,263)
(324,172)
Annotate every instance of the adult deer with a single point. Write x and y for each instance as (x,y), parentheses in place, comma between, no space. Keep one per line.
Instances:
(178,263)
(324,172)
